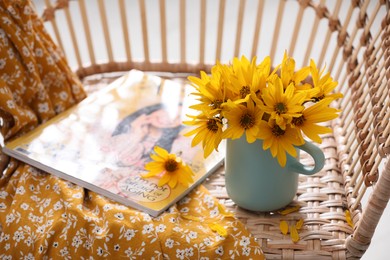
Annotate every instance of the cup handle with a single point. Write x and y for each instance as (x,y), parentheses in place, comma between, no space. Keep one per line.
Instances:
(316,153)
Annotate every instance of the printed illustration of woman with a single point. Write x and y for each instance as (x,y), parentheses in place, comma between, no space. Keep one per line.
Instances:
(135,137)
(142,130)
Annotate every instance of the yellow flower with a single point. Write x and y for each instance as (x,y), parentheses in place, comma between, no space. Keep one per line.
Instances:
(242,119)
(282,105)
(209,132)
(245,78)
(210,89)
(170,168)
(323,85)
(288,73)
(242,78)
(279,141)
(307,122)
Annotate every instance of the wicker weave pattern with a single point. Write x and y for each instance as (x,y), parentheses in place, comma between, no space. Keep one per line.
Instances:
(351,37)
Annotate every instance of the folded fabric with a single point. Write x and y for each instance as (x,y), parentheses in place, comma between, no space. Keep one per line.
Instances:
(44,217)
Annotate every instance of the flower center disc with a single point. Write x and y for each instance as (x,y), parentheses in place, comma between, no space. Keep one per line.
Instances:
(298,121)
(212,125)
(171,165)
(280,108)
(247,121)
(277,131)
(245,90)
(217,103)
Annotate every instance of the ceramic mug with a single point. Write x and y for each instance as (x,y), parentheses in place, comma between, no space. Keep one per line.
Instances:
(256,181)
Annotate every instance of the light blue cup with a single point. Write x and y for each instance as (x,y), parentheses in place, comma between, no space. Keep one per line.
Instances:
(255,180)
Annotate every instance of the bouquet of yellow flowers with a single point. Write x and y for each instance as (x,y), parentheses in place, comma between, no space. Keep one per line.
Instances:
(279,106)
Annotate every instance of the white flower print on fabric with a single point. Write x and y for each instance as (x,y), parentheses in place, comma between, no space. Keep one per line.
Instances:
(169,243)
(246,251)
(192,235)
(25,51)
(39,52)
(129,234)
(41,229)
(214,212)
(107,207)
(146,217)
(24,206)
(10,218)
(18,236)
(64,251)
(189,252)
(185,210)
(12,11)
(57,206)
(76,241)
(28,241)
(245,241)
(27,10)
(97,230)
(172,220)
(147,229)
(43,107)
(100,251)
(77,195)
(10,104)
(180,253)
(2,63)
(6,21)
(161,228)
(184,201)
(119,216)
(30,67)
(2,206)
(3,194)
(11,54)
(63,95)
(29,257)
(219,251)
(88,244)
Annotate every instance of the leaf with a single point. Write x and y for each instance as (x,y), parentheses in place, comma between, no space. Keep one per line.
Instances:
(294,233)
(219,229)
(289,210)
(299,224)
(348,218)
(283,227)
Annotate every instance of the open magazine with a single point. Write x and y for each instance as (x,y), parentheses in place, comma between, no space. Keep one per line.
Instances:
(104,142)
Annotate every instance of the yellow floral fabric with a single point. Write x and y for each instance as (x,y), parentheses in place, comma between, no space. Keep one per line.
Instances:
(44,217)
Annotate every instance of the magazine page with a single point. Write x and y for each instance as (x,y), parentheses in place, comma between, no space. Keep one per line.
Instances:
(104,142)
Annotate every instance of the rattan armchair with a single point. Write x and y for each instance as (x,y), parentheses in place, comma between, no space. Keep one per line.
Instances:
(183,37)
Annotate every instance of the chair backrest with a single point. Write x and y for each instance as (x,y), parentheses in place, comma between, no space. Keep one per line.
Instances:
(352,38)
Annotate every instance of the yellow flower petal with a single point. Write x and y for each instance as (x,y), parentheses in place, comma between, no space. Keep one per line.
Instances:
(219,229)
(294,234)
(223,211)
(289,210)
(164,180)
(283,226)
(348,218)
(299,224)
(173,181)
(190,217)
(161,151)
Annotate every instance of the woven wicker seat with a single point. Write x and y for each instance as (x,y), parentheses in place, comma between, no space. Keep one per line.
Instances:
(183,37)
